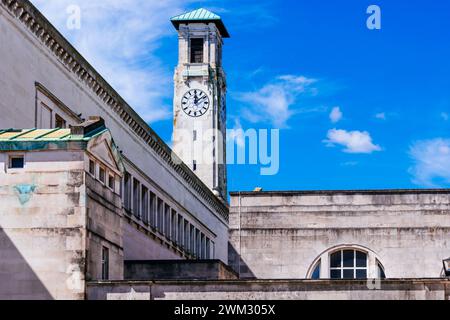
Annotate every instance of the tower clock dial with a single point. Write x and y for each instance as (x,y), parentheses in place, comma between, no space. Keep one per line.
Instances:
(195,103)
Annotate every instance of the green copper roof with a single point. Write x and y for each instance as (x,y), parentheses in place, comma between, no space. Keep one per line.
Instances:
(45,135)
(45,139)
(201,15)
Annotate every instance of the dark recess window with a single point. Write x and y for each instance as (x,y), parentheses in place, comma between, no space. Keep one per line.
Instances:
(17,162)
(127,191)
(59,122)
(111,181)
(196,50)
(105,263)
(92,167)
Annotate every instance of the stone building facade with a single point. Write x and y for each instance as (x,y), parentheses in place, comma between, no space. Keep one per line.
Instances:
(90,194)
(309,234)
(46,83)
(60,211)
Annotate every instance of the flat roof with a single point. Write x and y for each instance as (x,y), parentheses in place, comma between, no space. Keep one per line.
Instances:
(337,192)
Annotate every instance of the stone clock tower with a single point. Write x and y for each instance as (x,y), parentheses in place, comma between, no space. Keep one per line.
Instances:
(199,132)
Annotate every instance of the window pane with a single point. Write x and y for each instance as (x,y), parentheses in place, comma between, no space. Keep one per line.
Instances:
(17,163)
(349,256)
(92,167)
(361,259)
(316,272)
(335,260)
(348,274)
(196,50)
(381,274)
(361,274)
(335,274)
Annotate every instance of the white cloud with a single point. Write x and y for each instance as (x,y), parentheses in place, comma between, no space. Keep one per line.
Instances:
(119,38)
(237,133)
(353,141)
(336,115)
(273,102)
(381,116)
(432,162)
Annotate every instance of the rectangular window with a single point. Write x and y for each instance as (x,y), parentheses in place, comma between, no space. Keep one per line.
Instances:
(16,162)
(105,263)
(136,198)
(101,175)
(173,225)
(167,221)
(197,50)
(111,182)
(127,191)
(192,241)
(92,167)
(144,200)
(160,220)
(198,244)
(152,210)
(180,227)
(202,246)
(186,236)
(60,122)
(208,249)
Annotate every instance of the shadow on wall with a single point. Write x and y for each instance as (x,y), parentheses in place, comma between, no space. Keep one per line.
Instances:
(17,280)
(236,262)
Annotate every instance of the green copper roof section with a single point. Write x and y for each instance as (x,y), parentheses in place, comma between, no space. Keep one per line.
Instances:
(201,15)
(45,139)
(46,135)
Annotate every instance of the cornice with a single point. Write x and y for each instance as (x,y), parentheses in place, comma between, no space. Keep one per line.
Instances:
(50,37)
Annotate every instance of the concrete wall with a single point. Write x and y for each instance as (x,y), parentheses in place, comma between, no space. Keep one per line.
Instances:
(281,235)
(27,59)
(402,289)
(43,228)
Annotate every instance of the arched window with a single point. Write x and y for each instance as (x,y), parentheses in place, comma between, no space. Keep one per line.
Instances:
(380,271)
(316,271)
(348,264)
(348,261)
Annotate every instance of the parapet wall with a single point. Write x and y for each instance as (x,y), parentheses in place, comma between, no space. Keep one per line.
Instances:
(394,289)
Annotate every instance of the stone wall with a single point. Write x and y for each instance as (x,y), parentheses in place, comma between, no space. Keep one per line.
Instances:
(401,289)
(43,228)
(104,225)
(276,235)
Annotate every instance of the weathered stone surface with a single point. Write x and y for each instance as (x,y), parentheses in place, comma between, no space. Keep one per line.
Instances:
(400,289)
(280,235)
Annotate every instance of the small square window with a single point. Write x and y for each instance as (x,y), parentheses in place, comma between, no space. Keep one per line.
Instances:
(101,175)
(111,182)
(16,162)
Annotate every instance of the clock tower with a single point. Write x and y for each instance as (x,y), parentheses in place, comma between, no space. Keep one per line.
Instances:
(199,127)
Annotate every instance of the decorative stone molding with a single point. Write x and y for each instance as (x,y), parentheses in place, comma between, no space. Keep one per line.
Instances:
(43,30)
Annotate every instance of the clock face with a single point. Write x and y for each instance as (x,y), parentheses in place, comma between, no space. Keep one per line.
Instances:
(195,103)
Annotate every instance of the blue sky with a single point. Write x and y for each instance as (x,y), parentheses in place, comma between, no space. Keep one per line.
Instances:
(356,108)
